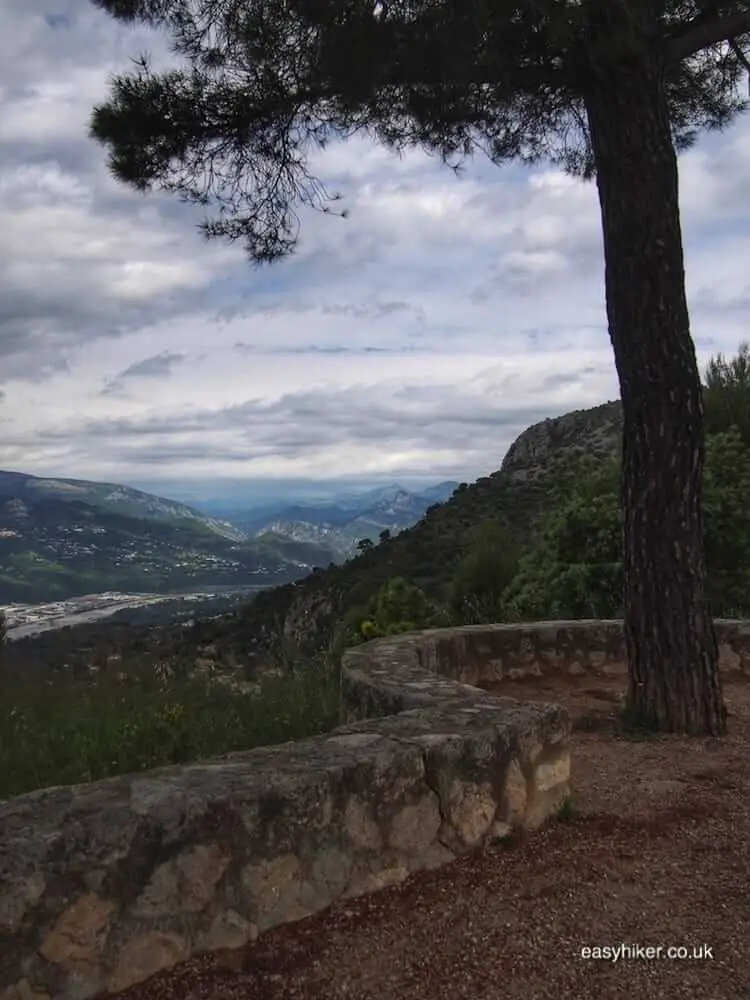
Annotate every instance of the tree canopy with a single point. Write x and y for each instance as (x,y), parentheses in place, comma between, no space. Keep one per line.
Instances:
(575,569)
(266,82)
(727,393)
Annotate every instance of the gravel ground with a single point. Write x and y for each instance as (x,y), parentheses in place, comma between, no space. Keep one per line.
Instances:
(655,853)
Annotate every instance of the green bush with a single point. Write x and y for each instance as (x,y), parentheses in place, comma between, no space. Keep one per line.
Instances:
(483,575)
(399,606)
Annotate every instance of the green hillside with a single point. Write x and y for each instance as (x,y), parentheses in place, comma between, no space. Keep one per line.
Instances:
(307,612)
(55,545)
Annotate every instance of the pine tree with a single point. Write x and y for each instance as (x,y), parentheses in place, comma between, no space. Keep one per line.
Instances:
(610,89)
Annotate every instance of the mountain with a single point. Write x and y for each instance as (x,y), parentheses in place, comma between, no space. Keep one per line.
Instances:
(63,538)
(543,463)
(113,498)
(339,523)
(595,433)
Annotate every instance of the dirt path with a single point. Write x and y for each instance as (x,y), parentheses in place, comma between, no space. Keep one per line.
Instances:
(656,853)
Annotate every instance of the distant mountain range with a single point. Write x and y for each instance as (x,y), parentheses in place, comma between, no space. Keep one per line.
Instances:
(339,523)
(63,538)
(110,497)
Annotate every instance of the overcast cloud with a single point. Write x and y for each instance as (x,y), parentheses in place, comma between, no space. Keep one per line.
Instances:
(417,337)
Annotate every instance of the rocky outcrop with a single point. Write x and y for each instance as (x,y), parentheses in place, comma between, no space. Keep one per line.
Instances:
(595,433)
(103,885)
(312,616)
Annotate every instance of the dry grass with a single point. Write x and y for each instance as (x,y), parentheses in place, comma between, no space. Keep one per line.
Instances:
(654,852)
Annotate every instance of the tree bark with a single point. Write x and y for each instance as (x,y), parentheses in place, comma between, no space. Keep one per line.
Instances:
(674,682)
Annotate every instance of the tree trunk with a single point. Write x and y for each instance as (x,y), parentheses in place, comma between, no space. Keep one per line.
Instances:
(672,651)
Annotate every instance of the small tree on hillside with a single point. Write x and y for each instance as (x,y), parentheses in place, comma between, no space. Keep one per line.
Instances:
(605,88)
(575,567)
(727,393)
(399,606)
(484,573)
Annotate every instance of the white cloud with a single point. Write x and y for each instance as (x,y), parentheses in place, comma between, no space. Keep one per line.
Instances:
(421,334)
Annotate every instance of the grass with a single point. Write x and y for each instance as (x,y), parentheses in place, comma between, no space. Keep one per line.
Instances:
(78,730)
(513,838)
(567,812)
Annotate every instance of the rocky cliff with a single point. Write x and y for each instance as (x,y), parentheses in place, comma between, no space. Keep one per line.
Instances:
(595,432)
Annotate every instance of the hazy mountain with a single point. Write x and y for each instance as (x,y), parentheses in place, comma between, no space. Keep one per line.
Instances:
(65,537)
(111,497)
(542,460)
(340,522)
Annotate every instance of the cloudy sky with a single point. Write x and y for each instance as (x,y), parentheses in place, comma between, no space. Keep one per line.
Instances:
(418,337)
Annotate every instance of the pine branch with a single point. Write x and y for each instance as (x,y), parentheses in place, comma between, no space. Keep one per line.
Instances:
(701,34)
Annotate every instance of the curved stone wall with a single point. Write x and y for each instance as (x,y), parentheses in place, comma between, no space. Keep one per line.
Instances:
(103,885)
(392,675)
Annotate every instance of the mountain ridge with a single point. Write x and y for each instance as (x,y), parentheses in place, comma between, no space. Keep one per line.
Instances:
(63,538)
(114,497)
(541,465)
(308,610)
(340,522)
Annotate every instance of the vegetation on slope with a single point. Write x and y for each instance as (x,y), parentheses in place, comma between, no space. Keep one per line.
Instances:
(606,90)
(51,549)
(80,725)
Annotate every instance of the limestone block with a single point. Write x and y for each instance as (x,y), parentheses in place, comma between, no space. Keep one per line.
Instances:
(145,955)
(76,939)
(184,885)
(331,869)
(17,898)
(552,773)
(268,881)
(229,930)
(384,878)
(360,826)
(472,811)
(415,826)
(23,990)
(516,794)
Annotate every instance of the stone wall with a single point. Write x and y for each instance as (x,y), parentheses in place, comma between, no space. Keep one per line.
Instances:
(488,654)
(103,885)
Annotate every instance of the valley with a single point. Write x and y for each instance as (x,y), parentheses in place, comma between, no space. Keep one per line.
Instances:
(25,620)
(66,539)
(63,539)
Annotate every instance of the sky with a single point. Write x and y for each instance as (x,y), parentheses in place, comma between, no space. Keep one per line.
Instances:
(413,340)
